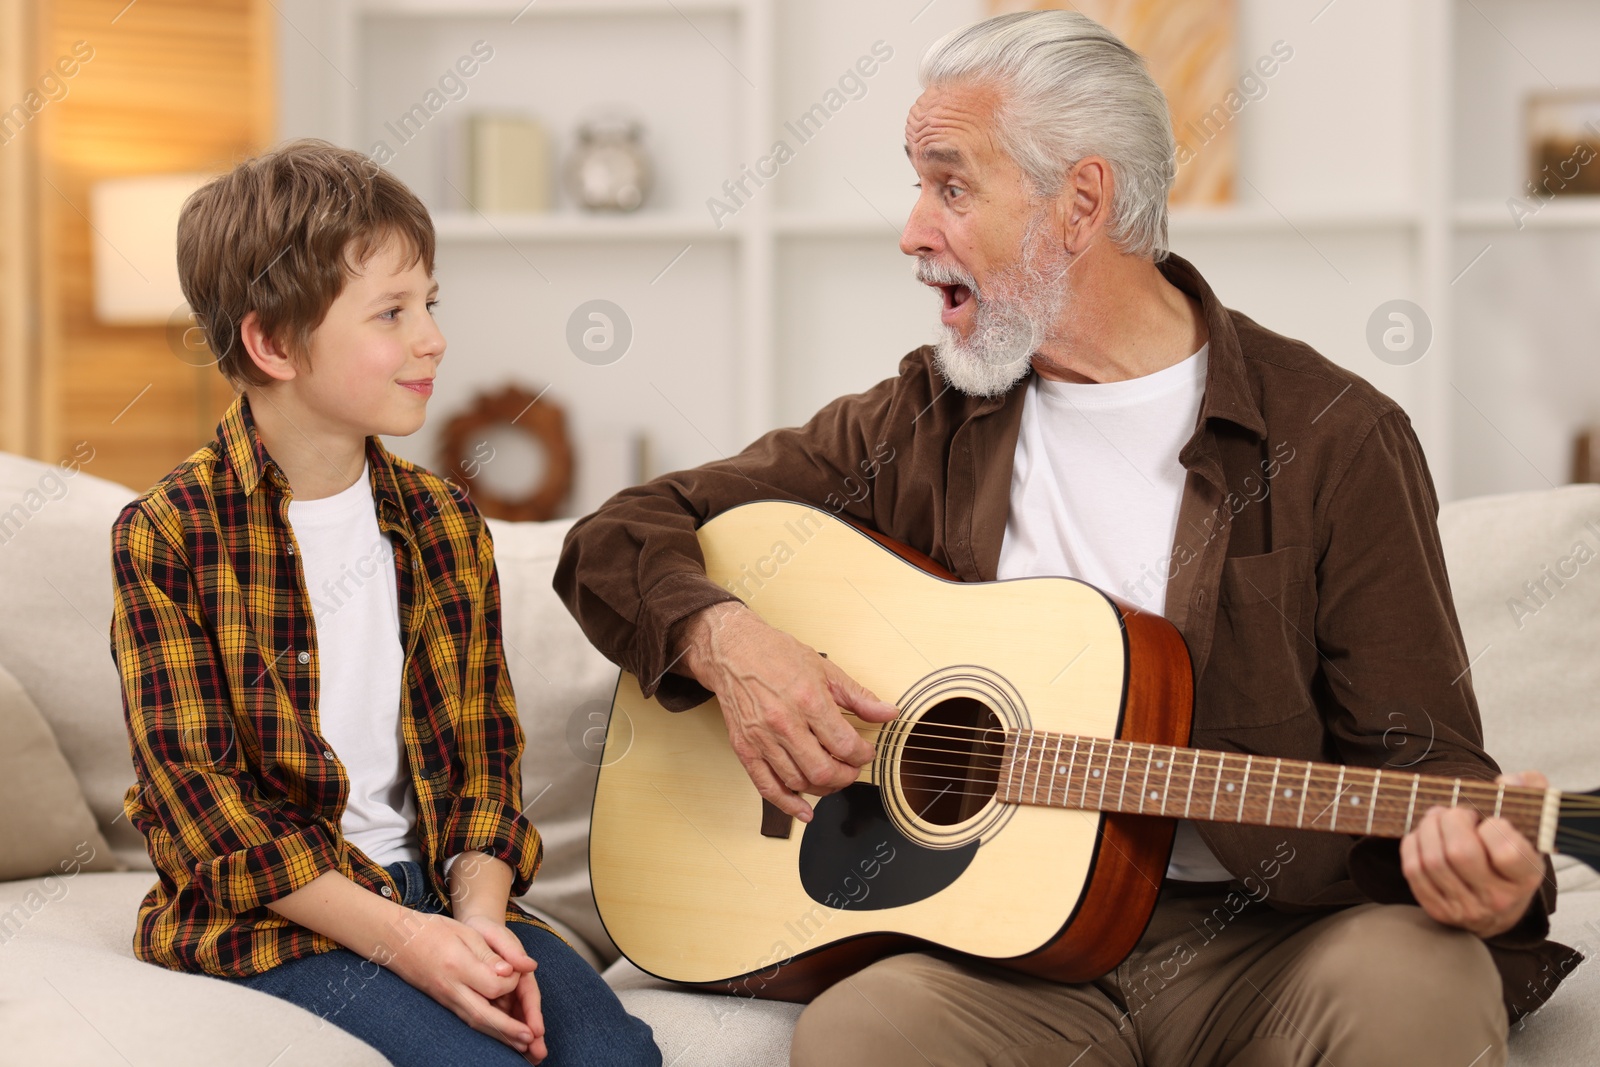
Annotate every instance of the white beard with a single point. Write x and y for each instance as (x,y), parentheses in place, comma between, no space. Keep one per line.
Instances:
(1011,320)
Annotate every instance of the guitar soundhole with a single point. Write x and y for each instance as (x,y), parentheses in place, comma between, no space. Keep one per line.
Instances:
(950,764)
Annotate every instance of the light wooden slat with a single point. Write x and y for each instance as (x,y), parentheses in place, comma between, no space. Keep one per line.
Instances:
(18,235)
(174,85)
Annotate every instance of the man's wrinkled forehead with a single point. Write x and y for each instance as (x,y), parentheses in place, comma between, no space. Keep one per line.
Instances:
(951,126)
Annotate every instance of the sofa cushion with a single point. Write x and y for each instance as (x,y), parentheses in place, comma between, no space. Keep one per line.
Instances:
(1566,1030)
(706,1029)
(564,689)
(1525,572)
(71,991)
(45,824)
(55,634)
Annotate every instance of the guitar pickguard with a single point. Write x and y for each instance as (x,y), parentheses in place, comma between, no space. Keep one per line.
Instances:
(852,857)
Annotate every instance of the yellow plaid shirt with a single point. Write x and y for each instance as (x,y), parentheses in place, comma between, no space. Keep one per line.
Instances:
(238,796)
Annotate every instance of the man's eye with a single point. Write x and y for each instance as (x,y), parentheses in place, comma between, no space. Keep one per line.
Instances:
(432,304)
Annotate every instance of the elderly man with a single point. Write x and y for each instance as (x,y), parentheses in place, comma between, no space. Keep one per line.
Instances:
(1092,410)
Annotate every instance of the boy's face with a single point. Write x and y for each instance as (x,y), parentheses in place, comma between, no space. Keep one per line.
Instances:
(374,357)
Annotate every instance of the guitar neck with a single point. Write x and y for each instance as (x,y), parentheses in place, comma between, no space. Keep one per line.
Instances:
(1072,771)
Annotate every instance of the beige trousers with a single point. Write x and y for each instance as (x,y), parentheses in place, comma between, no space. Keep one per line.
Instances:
(1216,979)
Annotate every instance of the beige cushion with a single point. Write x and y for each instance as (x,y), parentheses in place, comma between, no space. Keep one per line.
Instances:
(1535,652)
(45,824)
(564,689)
(71,991)
(707,1029)
(55,631)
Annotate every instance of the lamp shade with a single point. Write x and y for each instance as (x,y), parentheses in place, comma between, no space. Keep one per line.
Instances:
(135,246)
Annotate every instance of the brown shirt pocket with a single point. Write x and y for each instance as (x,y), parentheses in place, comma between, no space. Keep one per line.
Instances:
(1264,654)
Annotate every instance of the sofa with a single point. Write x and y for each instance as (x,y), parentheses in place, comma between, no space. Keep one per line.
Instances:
(1525,569)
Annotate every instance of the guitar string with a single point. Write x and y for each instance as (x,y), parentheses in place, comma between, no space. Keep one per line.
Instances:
(1521,805)
(1386,807)
(1512,805)
(1148,750)
(1145,759)
(1529,807)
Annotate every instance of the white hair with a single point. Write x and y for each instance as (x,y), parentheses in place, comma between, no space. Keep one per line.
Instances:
(1071,89)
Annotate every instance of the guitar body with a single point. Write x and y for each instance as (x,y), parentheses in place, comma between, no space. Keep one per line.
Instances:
(698,881)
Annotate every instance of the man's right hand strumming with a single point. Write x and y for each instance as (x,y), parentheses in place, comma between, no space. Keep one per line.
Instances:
(782,702)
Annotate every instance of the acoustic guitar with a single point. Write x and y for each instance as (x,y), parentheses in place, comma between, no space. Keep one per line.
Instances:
(1020,809)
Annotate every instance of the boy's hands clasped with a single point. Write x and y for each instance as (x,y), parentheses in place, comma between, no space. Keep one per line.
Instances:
(479,970)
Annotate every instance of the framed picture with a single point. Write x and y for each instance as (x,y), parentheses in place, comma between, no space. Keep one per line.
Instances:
(1188,46)
(1563,131)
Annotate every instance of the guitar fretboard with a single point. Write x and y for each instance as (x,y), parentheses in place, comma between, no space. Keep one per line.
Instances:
(1072,771)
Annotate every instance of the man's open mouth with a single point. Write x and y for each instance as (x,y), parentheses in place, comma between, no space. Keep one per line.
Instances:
(955,296)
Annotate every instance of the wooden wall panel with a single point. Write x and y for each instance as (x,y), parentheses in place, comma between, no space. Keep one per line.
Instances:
(18,234)
(172,86)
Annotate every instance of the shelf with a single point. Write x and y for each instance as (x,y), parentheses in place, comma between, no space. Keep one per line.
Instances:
(1578,212)
(1189,220)
(521,10)
(463,226)
(823,224)
(1260,218)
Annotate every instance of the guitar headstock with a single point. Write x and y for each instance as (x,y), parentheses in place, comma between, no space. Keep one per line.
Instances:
(1578,828)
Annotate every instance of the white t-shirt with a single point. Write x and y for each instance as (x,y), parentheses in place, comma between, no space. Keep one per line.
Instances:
(1095,490)
(349,570)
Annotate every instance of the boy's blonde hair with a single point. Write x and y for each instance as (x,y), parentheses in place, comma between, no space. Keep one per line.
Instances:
(280,235)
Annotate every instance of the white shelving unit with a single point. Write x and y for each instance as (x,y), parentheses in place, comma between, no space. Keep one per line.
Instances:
(1375,167)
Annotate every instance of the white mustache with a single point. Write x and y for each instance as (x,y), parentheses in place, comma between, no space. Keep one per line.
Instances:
(932,272)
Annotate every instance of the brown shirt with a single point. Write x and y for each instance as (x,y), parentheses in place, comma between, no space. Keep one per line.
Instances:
(1306,576)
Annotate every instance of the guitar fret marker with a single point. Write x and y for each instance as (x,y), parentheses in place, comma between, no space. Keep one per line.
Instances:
(1272,789)
(1372,808)
(1243,786)
(1071,762)
(1189,796)
(1214,787)
(1305,788)
(1499,798)
(1411,808)
(1103,781)
(1027,755)
(1088,761)
(1338,791)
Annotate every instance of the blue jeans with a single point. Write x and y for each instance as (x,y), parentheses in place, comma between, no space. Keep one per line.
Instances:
(584,1022)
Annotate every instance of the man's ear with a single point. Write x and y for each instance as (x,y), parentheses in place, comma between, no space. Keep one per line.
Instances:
(268,355)
(1084,204)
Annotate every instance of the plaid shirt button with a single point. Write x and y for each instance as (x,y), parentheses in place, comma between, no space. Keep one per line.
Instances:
(386,891)
(304,657)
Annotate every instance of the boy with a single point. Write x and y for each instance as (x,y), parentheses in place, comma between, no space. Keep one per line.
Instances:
(307,629)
